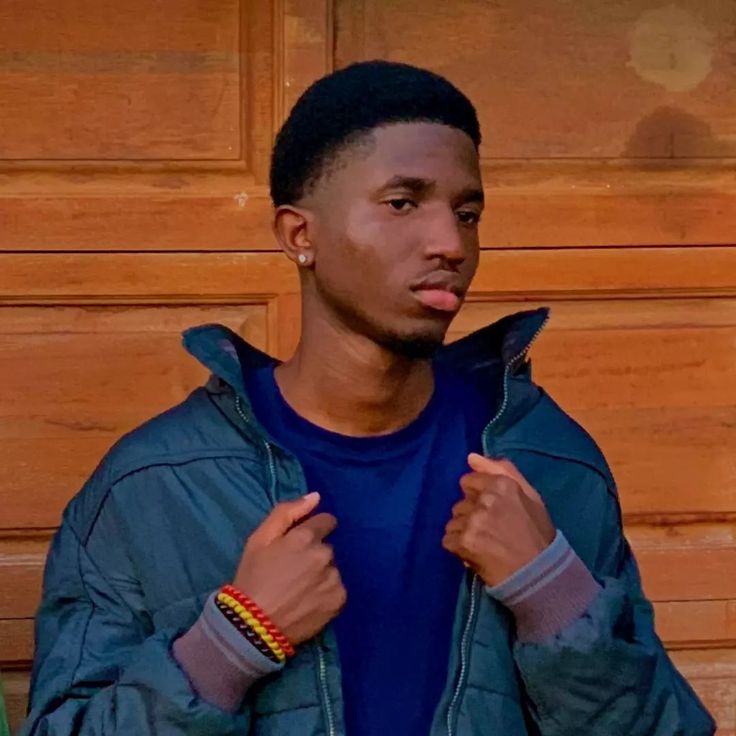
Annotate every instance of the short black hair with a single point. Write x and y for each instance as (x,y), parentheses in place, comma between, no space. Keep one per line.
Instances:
(348,103)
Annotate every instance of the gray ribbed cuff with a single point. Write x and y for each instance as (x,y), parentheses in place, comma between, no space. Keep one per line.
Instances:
(220,662)
(549,593)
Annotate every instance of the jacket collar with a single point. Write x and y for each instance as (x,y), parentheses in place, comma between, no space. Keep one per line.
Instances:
(484,351)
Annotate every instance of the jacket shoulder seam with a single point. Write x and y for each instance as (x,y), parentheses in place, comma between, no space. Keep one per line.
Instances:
(570,457)
(180,458)
(166,460)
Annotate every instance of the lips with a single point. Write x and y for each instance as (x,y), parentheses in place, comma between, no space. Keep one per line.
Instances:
(442,291)
(444,301)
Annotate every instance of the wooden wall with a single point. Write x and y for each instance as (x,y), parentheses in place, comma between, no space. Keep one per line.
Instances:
(134,144)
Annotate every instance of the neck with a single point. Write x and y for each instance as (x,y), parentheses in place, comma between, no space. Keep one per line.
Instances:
(346,383)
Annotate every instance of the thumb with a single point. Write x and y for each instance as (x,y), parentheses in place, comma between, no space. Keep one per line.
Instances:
(482,464)
(283,517)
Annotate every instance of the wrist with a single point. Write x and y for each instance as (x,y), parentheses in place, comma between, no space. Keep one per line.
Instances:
(548,593)
(219,662)
(232,600)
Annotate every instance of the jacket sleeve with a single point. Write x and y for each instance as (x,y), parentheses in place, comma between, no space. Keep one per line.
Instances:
(100,668)
(607,672)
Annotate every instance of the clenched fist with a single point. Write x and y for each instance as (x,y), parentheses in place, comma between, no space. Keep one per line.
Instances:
(288,570)
(501,524)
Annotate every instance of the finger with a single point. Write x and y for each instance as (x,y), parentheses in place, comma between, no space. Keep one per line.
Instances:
(283,517)
(319,526)
(489,466)
(475,484)
(452,542)
(463,508)
(455,526)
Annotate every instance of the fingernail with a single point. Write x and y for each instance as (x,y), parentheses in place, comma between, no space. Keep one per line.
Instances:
(313,496)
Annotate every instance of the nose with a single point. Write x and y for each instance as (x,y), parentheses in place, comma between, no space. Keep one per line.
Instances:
(446,240)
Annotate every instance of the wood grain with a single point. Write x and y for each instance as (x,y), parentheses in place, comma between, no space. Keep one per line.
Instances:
(525,276)
(78,378)
(120,81)
(134,157)
(531,204)
(675,100)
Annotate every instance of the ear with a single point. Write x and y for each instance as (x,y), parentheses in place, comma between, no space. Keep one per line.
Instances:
(292,227)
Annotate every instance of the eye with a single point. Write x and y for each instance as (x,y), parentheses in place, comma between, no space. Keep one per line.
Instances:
(402,205)
(468,217)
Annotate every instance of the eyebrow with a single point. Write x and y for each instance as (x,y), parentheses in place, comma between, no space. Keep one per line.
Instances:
(419,186)
(472,194)
(414,184)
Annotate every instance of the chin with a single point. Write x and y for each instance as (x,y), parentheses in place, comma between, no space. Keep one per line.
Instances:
(417,345)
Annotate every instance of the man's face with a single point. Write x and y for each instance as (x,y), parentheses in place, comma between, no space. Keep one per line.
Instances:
(396,233)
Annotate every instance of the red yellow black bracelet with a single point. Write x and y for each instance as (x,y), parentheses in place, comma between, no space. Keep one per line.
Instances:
(248,633)
(261,617)
(254,619)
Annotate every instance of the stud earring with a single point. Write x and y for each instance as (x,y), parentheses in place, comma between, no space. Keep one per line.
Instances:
(303,259)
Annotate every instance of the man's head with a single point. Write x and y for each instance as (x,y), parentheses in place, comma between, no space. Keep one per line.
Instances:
(376,182)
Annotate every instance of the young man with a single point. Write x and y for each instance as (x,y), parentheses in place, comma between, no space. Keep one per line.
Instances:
(458,567)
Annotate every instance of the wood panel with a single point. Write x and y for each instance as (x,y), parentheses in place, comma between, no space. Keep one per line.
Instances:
(526,275)
(134,153)
(539,195)
(121,81)
(713,673)
(670,66)
(655,372)
(652,378)
(15,686)
(613,126)
(163,126)
(63,407)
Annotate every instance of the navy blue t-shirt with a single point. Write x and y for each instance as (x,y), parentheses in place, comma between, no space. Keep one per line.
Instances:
(392,496)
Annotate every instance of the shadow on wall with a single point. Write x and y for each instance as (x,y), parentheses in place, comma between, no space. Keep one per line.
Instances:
(669,132)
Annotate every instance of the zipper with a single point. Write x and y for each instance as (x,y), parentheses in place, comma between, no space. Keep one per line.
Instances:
(506,373)
(322,666)
(326,705)
(269,453)
(465,640)
(464,644)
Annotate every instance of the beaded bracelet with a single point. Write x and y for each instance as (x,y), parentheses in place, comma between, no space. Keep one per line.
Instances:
(264,620)
(250,635)
(253,622)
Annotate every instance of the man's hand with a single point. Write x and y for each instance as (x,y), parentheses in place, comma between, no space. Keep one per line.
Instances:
(288,570)
(501,524)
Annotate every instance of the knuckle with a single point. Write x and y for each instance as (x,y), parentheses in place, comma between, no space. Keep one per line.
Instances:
(324,554)
(336,600)
(504,484)
(476,523)
(467,539)
(282,510)
(303,536)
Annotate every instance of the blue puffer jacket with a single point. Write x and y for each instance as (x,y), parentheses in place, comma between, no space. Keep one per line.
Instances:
(161,523)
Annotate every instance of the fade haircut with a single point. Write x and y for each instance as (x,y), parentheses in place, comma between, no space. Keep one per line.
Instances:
(341,108)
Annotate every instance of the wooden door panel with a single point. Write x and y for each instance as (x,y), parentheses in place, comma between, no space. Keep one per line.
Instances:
(670,71)
(76,378)
(608,124)
(712,674)
(134,154)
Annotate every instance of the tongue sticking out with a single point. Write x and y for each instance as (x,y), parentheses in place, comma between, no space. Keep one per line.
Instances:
(440,299)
